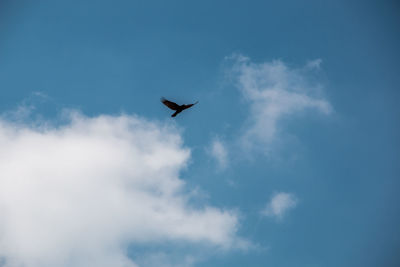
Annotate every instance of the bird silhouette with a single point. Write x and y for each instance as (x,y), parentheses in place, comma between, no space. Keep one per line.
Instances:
(178,108)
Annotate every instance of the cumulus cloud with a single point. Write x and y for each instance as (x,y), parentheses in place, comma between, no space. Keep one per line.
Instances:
(274,91)
(78,194)
(219,151)
(279,204)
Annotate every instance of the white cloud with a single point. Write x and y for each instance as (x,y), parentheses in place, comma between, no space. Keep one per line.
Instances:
(79,193)
(219,151)
(274,91)
(279,204)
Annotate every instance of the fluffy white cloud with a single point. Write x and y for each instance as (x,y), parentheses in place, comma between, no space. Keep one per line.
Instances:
(279,204)
(274,91)
(219,151)
(77,194)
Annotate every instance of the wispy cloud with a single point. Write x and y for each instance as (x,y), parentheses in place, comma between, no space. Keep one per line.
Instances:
(274,91)
(219,151)
(25,110)
(314,64)
(279,205)
(77,194)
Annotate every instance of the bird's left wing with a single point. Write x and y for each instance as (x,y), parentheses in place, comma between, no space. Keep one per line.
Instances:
(170,104)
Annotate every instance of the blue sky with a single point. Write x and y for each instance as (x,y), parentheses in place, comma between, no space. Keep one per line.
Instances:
(298,106)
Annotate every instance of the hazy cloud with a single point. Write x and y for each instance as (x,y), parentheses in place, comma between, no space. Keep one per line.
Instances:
(314,64)
(274,91)
(219,151)
(279,204)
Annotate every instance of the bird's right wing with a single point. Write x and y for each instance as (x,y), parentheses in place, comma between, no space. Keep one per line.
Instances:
(170,104)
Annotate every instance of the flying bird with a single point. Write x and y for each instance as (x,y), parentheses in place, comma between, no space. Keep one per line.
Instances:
(176,107)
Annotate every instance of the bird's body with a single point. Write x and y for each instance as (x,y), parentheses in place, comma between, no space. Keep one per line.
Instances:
(178,108)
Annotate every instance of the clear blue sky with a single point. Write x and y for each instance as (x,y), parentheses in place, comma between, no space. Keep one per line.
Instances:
(108,57)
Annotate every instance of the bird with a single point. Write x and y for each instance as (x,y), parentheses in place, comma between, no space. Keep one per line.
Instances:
(178,108)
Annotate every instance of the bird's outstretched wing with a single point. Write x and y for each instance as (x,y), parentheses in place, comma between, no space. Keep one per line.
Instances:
(170,104)
(190,105)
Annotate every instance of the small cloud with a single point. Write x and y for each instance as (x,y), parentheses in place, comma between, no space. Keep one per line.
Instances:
(279,205)
(219,151)
(314,64)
